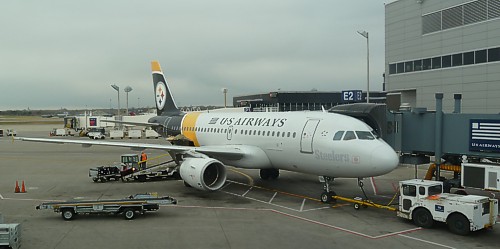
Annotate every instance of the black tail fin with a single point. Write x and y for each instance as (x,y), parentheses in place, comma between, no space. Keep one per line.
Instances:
(165,104)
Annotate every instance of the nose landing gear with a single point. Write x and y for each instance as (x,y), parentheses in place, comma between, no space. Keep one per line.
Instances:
(326,196)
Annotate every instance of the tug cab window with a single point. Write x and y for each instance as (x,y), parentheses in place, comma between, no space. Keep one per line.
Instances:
(409,190)
(349,135)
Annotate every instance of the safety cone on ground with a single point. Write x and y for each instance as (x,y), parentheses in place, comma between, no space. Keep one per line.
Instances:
(17,190)
(23,188)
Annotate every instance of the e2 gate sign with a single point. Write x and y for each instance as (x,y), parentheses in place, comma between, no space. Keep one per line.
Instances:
(352,96)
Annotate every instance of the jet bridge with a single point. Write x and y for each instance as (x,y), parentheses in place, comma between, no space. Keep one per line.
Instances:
(419,133)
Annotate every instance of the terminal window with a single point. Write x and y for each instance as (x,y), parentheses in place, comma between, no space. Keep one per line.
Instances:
(446,61)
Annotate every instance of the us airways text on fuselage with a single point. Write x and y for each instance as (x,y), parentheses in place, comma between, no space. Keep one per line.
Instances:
(257,122)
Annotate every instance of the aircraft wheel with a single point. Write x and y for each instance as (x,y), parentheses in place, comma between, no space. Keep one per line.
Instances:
(274,173)
(326,197)
(264,174)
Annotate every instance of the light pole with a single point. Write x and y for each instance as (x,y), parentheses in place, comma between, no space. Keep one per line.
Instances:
(365,35)
(224,91)
(127,90)
(117,88)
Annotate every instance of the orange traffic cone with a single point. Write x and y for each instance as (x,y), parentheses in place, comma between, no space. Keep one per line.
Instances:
(23,188)
(17,188)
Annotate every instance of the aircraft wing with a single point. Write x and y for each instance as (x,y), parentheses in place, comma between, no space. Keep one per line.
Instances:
(132,123)
(227,151)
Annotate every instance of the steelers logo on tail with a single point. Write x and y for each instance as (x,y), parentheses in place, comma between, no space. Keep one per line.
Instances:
(161,95)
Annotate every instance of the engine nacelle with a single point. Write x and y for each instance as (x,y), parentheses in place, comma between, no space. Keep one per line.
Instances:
(203,173)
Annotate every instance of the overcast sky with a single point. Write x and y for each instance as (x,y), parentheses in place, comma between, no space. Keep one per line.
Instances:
(66,54)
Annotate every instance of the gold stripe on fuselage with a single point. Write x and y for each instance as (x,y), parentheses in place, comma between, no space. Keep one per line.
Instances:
(189,127)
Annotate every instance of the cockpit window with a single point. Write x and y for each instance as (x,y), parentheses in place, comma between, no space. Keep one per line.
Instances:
(349,135)
(365,135)
(338,135)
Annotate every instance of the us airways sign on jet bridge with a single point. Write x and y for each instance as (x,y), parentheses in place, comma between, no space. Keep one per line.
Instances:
(256,122)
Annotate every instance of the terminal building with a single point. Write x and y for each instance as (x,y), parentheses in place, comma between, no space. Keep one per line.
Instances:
(298,101)
(450,46)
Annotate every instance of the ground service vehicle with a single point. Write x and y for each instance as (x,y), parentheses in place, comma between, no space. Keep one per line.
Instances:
(10,235)
(96,133)
(424,202)
(128,207)
(105,173)
(116,134)
(11,133)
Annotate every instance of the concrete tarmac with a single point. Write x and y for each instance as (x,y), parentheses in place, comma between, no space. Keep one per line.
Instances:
(246,213)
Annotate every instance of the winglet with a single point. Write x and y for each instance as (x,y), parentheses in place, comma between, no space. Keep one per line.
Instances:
(155,66)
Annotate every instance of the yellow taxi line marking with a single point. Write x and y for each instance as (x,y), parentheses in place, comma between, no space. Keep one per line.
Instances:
(250,179)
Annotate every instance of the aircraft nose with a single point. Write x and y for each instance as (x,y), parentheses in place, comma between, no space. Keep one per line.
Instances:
(384,159)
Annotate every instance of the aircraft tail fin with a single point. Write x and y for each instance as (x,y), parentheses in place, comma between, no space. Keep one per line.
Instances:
(165,104)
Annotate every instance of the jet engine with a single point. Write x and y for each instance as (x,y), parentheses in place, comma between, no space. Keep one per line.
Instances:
(203,173)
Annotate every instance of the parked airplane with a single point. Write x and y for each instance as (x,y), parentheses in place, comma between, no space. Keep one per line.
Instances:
(320,143)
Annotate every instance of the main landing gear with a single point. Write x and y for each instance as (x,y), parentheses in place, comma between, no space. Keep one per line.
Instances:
(326,196)
(269,173)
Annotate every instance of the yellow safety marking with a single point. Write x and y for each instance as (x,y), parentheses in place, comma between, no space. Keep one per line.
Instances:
(155,66)
(189,122)
(250,179)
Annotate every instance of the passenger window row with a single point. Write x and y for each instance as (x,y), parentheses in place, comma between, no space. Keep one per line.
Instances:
(243,132)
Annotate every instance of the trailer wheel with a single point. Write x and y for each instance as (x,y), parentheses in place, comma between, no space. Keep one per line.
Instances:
(141,178)
(458,224)
(129,214)
(95,179)
(423,218)
(68,214)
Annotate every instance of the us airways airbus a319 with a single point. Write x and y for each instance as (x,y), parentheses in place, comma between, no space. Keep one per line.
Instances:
(319,143)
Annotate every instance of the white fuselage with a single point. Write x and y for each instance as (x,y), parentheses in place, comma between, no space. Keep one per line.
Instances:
(296,141)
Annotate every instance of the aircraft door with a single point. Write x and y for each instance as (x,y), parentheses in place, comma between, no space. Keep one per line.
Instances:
(230,132)
(306,139)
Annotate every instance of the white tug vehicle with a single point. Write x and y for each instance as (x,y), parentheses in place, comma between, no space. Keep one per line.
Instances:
(424,202)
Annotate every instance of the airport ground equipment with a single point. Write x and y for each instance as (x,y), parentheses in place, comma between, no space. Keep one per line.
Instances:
(96,133)
(116,134)
(134,134)
(128,207)
(163,170)
(105,173)
(424,202)
(10,235)
(481,176)
(1,132)
(61,132)
(130,169)
(150,133)
(11,133)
